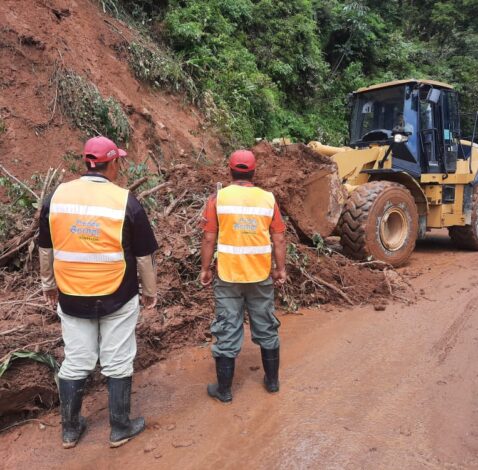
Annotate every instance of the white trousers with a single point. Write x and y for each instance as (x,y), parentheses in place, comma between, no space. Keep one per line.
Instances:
(110,338)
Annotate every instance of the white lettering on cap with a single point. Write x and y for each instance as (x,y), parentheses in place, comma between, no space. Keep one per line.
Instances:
(111,153)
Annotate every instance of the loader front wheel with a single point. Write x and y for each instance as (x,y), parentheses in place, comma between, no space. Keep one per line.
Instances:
(379,220)
(466,237)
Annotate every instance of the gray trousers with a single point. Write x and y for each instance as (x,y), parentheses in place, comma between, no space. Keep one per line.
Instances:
(228,327)
(110,338)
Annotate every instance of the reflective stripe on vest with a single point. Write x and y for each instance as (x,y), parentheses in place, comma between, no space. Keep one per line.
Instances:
(86,225)
(244,247)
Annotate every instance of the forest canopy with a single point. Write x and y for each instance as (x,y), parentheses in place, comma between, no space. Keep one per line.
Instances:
(284,68)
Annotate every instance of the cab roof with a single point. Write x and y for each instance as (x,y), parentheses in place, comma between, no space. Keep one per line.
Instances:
(402,82)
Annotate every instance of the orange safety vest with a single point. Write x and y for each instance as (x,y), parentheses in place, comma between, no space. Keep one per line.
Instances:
(244,246)
(86,226)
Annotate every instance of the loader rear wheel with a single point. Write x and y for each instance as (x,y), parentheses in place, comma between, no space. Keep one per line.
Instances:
(467,236)
(379,220)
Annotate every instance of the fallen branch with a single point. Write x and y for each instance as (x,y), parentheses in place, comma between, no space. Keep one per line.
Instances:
(26,421)
(12,330)
(156,161)
(319,281)
(138,183)
(17,243)
(171,206)
(148,192)
(6,256)
(23,185)
(44,187)
(375,263)
(33,304)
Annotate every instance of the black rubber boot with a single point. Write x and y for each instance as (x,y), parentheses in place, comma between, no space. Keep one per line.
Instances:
(122,428)
(270,362)
(225,373)
(71,398)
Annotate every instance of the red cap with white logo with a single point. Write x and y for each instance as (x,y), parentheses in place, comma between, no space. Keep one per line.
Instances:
(101,149)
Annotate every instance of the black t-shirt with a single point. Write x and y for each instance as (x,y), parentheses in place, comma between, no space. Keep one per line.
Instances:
(138,240)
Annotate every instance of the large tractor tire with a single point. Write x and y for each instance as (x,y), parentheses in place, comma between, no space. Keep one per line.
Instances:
(379,220)
(467,236)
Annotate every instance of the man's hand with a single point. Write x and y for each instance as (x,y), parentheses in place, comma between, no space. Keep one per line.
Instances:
(149,302)
(51,297)
(278,251)
(279,276)
(206,277)
(208,245)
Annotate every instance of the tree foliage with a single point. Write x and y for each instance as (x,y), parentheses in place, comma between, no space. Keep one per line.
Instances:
(280,68)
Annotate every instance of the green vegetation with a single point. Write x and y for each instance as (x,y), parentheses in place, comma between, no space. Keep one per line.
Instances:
(73,162)
(320,245)
(267,68)
(159,69)
(82,102)
(3,126)
(12,214)
(136,171)
(42,358)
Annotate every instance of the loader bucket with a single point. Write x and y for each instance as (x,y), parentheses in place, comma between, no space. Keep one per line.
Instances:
(322,201)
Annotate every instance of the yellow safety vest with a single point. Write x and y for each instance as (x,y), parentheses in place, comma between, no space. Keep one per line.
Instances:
(86,226)
(244,245)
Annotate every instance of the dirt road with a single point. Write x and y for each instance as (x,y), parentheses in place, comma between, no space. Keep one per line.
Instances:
(361,389)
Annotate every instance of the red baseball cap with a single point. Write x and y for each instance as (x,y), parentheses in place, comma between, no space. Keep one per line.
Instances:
(242,161)
(101,149)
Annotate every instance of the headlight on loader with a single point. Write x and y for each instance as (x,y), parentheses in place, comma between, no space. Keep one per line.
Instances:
(400,138)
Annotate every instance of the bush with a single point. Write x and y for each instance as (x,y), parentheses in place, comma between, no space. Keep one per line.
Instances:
(81,101)
(159,69)
(21,207)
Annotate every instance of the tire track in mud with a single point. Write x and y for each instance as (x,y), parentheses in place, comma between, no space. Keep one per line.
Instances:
(448,340)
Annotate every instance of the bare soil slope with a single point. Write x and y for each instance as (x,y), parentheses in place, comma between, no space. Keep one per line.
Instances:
(37,36)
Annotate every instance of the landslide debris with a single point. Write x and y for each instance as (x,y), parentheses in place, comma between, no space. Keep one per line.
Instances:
(305,183)
(317,273)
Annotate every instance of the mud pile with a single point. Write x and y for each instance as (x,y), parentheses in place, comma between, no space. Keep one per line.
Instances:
(306,185)
(316,275)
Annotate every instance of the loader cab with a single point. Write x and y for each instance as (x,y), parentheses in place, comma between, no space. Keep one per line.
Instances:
(424,112)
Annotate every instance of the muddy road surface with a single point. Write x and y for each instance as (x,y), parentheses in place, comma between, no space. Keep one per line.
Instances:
(360,389)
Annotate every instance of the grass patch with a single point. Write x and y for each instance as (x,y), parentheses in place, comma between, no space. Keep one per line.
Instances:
(3,126)
(82,102)
(73,162)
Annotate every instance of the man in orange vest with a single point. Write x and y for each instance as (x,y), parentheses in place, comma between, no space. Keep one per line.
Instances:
(243,218)
(94,237)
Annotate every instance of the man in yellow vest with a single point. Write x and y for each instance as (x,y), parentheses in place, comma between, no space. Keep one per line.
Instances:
(94,237)
(243,218)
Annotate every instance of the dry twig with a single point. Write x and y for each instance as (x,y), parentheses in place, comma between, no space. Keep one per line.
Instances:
(320,282)
(23,239)
(12,330)
(28,347)
(171,206)
(26,421)
(21,183)
(148,192)
(138,183)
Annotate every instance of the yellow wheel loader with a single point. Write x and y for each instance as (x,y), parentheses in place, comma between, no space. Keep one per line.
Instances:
(406,171)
